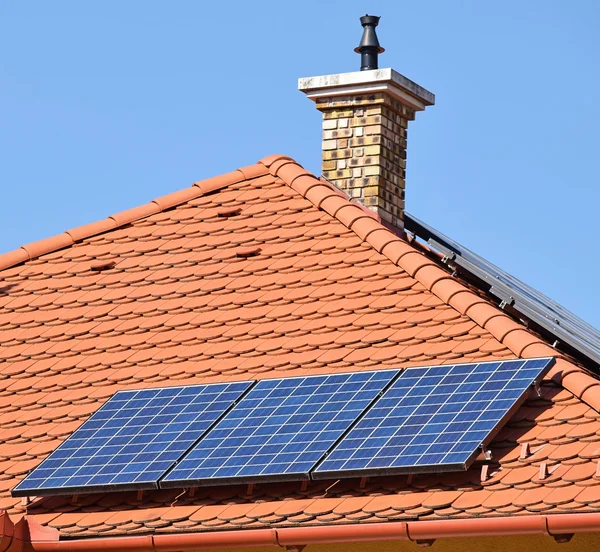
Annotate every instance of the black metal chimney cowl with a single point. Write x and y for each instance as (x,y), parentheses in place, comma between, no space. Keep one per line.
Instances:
(369,47)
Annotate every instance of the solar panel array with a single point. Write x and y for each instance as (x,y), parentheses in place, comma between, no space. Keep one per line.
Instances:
(132,440)
(421,419)
(433,419)
(280,429)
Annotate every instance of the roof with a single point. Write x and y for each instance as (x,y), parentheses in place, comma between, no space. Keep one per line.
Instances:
(267,272)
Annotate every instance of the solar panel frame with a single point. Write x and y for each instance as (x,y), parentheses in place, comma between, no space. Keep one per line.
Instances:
(332,466)
(243,448)
(141,432)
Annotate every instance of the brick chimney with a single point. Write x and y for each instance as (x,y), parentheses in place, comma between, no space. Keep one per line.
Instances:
(365,120)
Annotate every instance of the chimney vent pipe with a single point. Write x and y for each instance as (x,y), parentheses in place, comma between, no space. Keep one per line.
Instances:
(369,47)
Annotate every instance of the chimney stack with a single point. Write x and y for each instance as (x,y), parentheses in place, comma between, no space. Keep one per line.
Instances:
(365,119)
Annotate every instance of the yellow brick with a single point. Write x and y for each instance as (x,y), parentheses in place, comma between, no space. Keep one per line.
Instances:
(342,133)
(372,171)
(373,150)
(373,129)
(373,110)
(371,191)
(366,161)
(363,121)
(364,141)
(328,165)
(337,154)
(334,175)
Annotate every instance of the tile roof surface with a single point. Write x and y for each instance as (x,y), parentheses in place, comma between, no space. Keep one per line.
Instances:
(266,272)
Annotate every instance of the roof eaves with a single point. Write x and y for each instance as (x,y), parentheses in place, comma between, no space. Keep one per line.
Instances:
(506,330)
(66,239)
(39,539)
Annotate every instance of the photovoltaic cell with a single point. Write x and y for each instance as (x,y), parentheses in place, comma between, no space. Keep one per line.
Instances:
(279,430)
(433,419)
(132,440)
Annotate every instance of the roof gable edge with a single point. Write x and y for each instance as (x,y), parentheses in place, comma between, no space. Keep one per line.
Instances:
(44,246)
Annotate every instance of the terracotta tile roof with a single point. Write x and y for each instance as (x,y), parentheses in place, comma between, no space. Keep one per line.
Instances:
(263,272)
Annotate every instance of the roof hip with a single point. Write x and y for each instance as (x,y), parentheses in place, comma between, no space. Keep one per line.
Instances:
(369,228)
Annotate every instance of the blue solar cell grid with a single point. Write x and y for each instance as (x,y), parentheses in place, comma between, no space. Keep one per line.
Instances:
(279,430)
(433,419)
(133,439)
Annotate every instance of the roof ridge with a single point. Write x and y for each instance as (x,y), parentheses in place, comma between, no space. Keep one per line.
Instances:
(369,228)
(44,246)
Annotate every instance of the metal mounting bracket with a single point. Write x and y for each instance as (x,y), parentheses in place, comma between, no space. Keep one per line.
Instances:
(487,453)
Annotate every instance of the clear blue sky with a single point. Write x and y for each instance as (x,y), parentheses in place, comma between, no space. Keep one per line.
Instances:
(108,104)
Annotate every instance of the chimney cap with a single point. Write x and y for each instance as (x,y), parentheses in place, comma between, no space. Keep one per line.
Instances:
(369,47)
(367,82)
(369,38)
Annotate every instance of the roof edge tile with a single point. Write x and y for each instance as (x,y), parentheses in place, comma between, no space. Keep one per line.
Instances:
(482,313)
(591,396)
(99,227)
(253,171)
(333,203)
(177,198)
(217,182)
(126,217)
(318,194)
(518,340)
(579,383)
(37,248)
(270,159)
(279,164)
(395,250)
(13,258)
(429,276)
(465,300)
(302,183)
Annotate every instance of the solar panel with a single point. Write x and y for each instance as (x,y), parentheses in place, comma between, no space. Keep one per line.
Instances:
(279,430)
(433,419)
(132,440)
